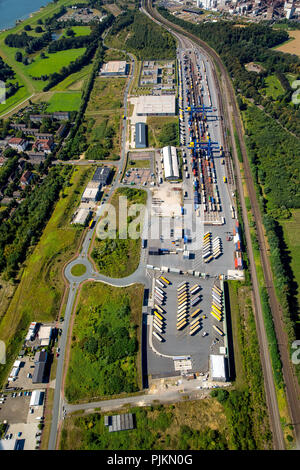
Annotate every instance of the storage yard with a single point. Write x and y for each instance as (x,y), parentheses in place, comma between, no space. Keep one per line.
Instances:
(199,242)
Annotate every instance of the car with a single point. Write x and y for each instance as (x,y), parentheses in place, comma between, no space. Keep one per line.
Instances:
(57,354)
(20,394)
(10,436)
(58,350)
(19,434)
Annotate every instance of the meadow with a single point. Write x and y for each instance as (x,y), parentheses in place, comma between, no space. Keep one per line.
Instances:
(293,45)
(52,63)
(105,342)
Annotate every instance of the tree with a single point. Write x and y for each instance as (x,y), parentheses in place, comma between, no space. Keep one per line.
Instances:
(38,29)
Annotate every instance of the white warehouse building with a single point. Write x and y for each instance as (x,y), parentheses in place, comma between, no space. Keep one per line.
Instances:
(170,163)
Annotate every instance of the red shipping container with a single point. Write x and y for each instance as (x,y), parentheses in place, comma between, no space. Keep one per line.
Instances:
(239,245)
(235,262)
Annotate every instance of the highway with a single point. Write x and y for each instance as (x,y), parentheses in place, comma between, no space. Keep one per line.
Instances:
(228,108)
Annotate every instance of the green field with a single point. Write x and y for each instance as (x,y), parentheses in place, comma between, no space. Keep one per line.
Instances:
(291,229)
(64,101)
(119,257)
(190,425)
(39,293)
(78,270)
(138,164)
(105,341)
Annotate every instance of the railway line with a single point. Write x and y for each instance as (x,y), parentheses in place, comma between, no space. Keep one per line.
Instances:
(229,110)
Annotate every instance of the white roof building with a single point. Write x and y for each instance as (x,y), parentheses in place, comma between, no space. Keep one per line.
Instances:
(45,335)
(218,367)
(90,194)
(149,105)
(170,162)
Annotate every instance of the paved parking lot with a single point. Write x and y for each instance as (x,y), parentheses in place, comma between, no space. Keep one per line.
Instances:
(181,343)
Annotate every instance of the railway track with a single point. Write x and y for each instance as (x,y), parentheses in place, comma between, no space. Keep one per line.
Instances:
(229,110)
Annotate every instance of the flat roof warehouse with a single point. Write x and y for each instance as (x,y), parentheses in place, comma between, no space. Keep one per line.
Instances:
(170,162)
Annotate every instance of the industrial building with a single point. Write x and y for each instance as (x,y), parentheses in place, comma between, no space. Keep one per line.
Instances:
(140,135)
(102,175)
(218,367)
(148,105)
(121,422)
(114,68)
(170,163)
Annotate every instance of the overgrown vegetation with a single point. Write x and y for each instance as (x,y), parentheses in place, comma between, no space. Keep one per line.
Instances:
(104,342)
(196,425)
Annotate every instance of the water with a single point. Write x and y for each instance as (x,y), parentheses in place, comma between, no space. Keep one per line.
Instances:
(12,10)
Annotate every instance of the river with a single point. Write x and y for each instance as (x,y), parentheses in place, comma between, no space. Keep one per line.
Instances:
(12,10)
